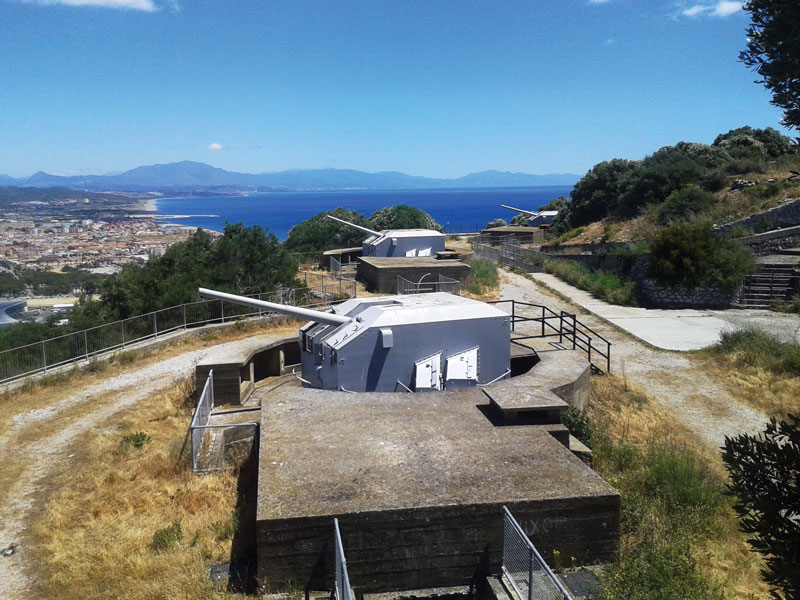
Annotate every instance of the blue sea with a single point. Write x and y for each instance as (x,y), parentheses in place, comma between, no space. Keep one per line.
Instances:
(459,210)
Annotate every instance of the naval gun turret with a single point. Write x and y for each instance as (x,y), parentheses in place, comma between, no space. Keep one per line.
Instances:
(398,243)
(420,342)
(543,218)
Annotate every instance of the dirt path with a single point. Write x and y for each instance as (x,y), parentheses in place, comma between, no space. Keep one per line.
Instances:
(39,458)
(674,379)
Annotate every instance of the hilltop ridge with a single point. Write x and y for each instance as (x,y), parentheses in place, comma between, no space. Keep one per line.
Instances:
(201,175)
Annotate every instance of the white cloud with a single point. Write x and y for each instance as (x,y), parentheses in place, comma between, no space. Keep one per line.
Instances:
(143,5)
(721,8)
(215,146)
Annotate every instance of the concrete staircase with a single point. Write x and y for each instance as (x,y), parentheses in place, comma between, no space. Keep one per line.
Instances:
(770,283)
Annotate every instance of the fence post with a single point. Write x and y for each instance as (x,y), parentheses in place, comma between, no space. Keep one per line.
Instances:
(574,329)
(561,327)
(86,343)
(123,332)
(542,320)
(44,358)
(222,310)
(155,325)
(184,316)
(530,572)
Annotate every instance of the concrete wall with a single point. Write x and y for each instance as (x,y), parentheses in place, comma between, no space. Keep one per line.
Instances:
(430,547)
(702,296)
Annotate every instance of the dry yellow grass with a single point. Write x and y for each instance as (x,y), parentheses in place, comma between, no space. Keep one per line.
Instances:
(94,533)
(626,413)
(774,394)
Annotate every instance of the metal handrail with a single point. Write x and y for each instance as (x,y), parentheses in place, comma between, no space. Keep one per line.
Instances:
(514,535)
(581,336)
(342,588)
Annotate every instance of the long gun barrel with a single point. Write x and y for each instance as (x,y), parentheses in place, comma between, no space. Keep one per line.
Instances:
(294,311)
(354,226)
(519,210)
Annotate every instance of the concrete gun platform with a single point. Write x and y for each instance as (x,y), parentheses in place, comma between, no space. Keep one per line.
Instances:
(417,482)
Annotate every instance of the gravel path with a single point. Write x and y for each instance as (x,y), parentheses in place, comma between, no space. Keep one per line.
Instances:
(674,379)
(42,457)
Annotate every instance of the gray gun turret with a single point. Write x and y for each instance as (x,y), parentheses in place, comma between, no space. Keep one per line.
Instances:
(421,342)
(398,243)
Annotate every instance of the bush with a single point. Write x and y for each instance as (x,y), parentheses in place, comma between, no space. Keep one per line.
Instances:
(764,477)
(753,347)
(687,254)
(684,205)
(564,237)
(134,440)
(600,284)
(578,423)
(496,223)
(483,275)
(167,538)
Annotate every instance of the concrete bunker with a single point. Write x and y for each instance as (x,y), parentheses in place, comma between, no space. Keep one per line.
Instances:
(418,481)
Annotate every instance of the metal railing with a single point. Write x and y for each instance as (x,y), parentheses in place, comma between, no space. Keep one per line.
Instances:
(444,284)
(40,357)
(200,419)
(570,331)
(524,567)
(202,431)
(342,588)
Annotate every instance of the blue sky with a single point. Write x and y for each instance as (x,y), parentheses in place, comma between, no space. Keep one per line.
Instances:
(435,88)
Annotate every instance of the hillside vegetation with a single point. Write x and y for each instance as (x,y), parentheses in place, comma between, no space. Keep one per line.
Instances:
(622,200)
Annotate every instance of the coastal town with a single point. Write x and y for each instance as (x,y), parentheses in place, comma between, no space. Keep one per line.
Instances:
(98,246)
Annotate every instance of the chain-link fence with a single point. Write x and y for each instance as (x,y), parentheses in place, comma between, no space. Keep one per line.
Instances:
(342,584)
(526,570)
(40,357)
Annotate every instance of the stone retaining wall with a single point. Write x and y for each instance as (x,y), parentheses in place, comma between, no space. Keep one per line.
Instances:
(654,295)
(785,215)
(772,242)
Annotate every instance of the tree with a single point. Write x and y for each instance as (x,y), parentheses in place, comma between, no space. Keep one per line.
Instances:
(765,478)
(744,141)
(496,223)
(401,216)
(773,51)
(321,233)
(688,254)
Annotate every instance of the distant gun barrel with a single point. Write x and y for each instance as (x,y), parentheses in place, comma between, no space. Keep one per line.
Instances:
(519,210)
(354,226)
(317,316)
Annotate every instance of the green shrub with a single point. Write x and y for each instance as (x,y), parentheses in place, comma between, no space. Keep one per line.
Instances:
(664,571)
(714,181)
(687,254)
(684,204)
(496,223)
(126,357)
(753,347)
(739,231)
(675,477)
(763,191)
(600,284)
(564,237)
(167,538)
(578,423)
(483,275)
(134,440)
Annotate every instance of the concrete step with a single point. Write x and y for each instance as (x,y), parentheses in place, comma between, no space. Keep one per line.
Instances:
(790,251)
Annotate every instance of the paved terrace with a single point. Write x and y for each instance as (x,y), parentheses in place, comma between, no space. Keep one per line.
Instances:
(684,329)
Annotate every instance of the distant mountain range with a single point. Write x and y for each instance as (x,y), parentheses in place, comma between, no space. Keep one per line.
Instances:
(200,176)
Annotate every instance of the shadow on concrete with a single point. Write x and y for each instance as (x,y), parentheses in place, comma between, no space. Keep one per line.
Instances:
(243,563)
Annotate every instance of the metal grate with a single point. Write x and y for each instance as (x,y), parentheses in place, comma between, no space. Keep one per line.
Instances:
(526,570)
(342,584)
